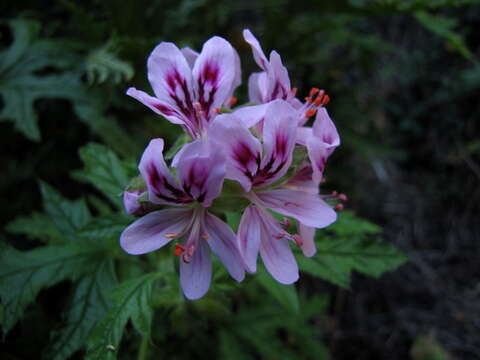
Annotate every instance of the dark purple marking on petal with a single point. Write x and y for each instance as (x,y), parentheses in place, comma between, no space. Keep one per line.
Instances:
(160,184)
(278,92)
(243,155)
(208,75)
(174,81)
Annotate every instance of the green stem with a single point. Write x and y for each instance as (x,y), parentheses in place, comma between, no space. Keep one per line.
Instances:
(143,350)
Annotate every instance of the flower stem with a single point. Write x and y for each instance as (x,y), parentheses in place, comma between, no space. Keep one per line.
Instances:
(143,350)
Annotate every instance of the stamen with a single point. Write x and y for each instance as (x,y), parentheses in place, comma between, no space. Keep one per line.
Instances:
(308,99)
(334,193)
(190,250)
(342,197)
(279,236)
(186,258)
(310,113)
(286,223)
(314,91)
(172,236)
(289,203)
(217,111)
(294,91)
(179,250)
(339,207)
(298,240)
(204,236)
(233,101)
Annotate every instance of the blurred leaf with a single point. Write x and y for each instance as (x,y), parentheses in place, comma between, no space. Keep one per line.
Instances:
(348,224)
(88,304)
(103,65)
(444,27)
(336,258)
(286,295)
(131,300)
(177,145)
(36,226)
(427,348)
(104,170)
(20,80)
(68,216)
(24,274)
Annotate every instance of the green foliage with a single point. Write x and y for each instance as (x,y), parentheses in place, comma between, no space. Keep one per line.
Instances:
(444,27)
(88,303)
(102,65)
(104,170)
(36,226)
(286,295)
(350,248)
(130,300)
(428,348)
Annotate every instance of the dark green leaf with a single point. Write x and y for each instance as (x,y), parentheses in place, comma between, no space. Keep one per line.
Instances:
(104,170)
(36,226)
(88,304)
(131,300)
(286,295)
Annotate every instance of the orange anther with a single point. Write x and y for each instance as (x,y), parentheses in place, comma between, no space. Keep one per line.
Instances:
(338,207)
(314,91)
(217,111)
(308,99)
(204,236)
(310,113)
(233,101)
(179,250)
(171,236)
(294,91)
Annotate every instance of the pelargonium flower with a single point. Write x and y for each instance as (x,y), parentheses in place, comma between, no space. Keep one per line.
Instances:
(189,87)
(201,170)
(274,83)
(257,164)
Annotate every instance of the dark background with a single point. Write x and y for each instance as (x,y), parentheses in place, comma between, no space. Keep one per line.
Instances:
(404,80)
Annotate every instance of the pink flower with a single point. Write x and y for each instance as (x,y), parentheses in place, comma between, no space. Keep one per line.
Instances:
(274,83)
(130,202)
(200,170)
(255,165)
(189,87)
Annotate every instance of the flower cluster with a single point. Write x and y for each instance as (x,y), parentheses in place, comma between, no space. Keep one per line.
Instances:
(259,159)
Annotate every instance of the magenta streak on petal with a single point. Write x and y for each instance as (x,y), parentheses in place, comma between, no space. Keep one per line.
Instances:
(174,80)
(209,75)
(160,184)
(244,156)
(280,153)
(275,92)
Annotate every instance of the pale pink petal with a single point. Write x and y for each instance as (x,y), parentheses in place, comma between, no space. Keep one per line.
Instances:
(223,242)
(149,232)
(237,79)
(302,180)
(195,276)
(276,253)
(171,77)
(130,202)
(258,53)
(190,56)
(279,135)
(251,115)
(241,149)
(279,82)
(214,74)
(318,155)
(161,108)
(257,87)
(307,208)
(303,134)
(161,186)
(201,170)
(249,233)
(307,233)
(325,130)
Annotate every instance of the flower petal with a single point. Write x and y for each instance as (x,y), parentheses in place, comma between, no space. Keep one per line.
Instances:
(278,79)
(276,253)
(171,78)
(190,56)
(195,276)
(318,155)
(161,186)
(130,202)
(223,242)
(257,87)
(325,130)
(307,233)
(307,208)
(249,232)
(161,108)
(214,74)
(258,53)
(148,233)
(251,115)
(302,180)
(279,135)
(201,170)
(241,148)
